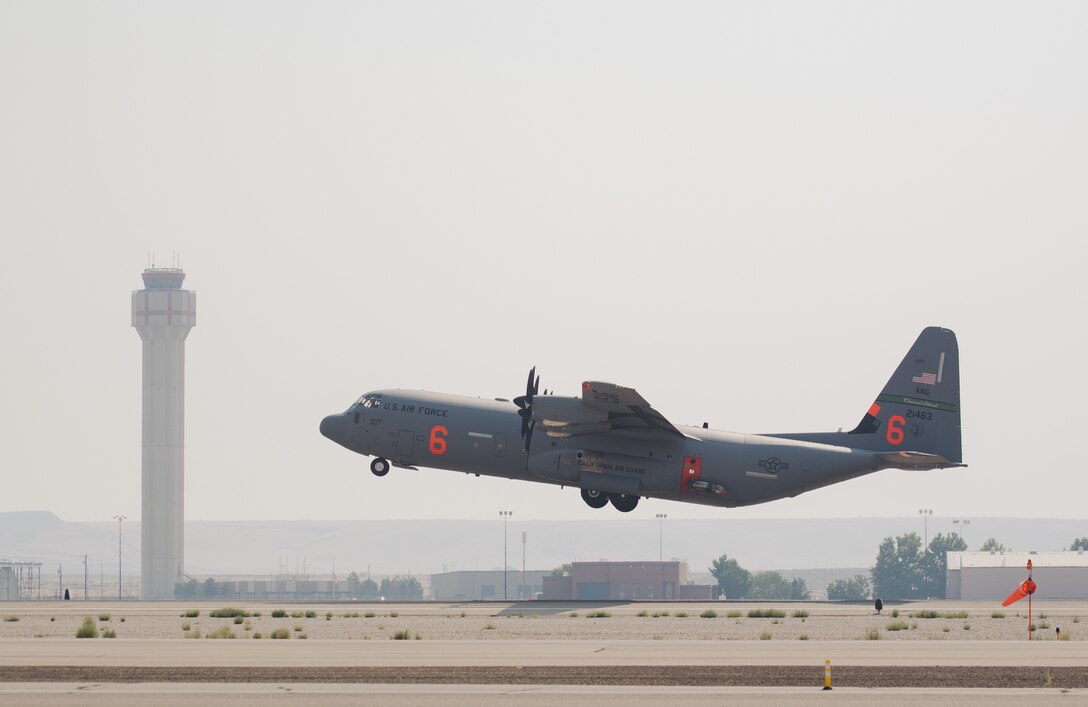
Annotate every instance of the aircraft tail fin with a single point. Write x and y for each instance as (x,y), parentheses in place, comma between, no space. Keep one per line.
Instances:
(915,421)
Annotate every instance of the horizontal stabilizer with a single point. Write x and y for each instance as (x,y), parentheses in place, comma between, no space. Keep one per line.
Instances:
(916,460)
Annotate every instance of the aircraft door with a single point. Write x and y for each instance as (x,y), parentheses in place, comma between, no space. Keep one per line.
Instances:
(405,444)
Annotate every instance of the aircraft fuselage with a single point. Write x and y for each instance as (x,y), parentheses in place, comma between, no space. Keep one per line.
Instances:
(483,437)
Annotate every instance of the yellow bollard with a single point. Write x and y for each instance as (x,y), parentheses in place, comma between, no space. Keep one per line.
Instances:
(827,674)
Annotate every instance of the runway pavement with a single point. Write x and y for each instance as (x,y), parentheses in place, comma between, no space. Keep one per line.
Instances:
(55,669)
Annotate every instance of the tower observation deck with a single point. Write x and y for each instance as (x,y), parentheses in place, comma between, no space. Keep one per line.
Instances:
(163,314)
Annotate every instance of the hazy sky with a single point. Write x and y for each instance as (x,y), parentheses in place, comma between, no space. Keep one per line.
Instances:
(745,210)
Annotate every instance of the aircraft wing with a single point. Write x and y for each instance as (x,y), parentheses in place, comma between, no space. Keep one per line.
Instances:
(603,407)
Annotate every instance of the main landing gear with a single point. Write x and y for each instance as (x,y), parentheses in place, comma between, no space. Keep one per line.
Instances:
(622,502)
(379,467)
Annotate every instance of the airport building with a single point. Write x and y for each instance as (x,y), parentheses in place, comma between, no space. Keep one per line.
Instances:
(20,580)
(494,585)
(163,314)
(994,575)
(627,581)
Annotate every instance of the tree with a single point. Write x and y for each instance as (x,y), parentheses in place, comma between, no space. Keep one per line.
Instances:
(858,587)
(401,588)
(798,590)
(733,580)
(991,545)
(1079,544)
(768,585)
(561,570)
(935,563)
(186,589)
(368,589)
(897,573)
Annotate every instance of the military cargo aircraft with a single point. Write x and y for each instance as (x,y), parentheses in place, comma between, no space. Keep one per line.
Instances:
(610,443)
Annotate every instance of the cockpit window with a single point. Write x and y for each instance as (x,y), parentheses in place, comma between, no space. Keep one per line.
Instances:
(370,400)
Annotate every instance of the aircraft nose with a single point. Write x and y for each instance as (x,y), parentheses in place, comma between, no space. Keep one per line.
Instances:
(337,428)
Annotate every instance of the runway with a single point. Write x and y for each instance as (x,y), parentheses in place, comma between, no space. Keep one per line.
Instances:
(607,660)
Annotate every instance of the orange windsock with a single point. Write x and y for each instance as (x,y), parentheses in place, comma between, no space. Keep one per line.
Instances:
(1025,588)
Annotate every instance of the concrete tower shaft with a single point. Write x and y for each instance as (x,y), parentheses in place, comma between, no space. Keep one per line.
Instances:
(163,314)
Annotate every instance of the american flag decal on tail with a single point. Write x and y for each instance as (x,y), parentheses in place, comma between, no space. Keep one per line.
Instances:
(925,378)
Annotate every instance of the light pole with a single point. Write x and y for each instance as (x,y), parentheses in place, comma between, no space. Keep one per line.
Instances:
(523,539)
(925,513)
(962,528)
(660,553)
(119,519)
(505,515)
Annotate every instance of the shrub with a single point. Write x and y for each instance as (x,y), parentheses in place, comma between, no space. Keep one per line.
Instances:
(401,635)
(967,627)
(393,614)
(222,632)
(659,614)
(185,626)
(997,615)
(278,613)
(238,620)
(280,633)
(803,637)
(191,614)
(872,634)
(734,615)
(681,614)
(103,617)
(1044,625)
(298,628)
(297,614)
(926,614)
(328,616)
(13,619)
(302,636)
(643,613)
(109,633)
(368,615)
(766,614)
(598,615)
(897,626)
(765,636)
(311,614)
(489,627)
(802,614)
(257,635)
(88,629)
(228,613)
(194,634)
(709,614)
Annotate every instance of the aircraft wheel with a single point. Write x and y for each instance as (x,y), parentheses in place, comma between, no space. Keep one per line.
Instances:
(379,466)
(623,502)
(594,498)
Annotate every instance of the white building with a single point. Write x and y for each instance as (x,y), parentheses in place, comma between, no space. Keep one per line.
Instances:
(994,575)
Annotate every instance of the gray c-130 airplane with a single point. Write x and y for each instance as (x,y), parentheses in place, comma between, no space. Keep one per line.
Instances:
(610,443)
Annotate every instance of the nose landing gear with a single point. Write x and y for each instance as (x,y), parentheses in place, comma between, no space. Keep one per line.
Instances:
(379,467)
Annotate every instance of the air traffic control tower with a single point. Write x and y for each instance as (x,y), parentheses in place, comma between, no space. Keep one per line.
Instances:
(163,314)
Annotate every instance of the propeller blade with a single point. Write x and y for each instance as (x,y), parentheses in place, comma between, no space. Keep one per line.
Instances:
(529,384)
(529,436)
